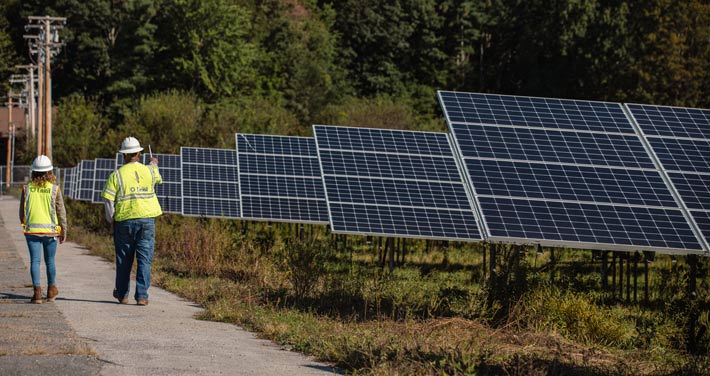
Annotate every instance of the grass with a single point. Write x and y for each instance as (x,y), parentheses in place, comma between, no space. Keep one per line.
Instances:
(433,314)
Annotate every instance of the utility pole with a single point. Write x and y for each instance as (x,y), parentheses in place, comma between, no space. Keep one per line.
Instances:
(46,44)
(10,141)
(31,103)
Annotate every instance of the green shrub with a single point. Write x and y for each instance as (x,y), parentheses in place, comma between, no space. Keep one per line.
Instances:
(576,317)
(304,262)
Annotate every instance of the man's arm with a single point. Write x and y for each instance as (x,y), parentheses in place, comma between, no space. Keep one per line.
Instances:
(109,210)
(109,196)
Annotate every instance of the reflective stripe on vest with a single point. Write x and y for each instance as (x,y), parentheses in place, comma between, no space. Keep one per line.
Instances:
(40,210)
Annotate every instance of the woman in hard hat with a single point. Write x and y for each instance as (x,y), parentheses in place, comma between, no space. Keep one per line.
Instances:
(44,220)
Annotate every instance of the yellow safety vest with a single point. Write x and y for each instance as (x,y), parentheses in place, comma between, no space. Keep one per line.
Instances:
(40,210)
(132,189)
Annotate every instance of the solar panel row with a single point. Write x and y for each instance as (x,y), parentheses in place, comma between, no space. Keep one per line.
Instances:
(557,172)
(565,173)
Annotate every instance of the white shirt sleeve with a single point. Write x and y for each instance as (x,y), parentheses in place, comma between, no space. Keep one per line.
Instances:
(109,210)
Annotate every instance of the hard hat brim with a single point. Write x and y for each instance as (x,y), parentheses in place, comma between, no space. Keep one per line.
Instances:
(131,150)
(42,169)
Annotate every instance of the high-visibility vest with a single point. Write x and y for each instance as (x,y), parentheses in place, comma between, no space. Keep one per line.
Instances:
(40,210)
(132,189)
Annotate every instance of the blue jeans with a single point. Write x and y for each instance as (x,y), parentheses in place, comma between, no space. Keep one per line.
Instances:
(36,244)
(134,238)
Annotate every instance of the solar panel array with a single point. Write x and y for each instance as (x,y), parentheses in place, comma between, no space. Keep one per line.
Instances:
(86,181)
(170,192)
(210,182)
(280,179)
(557,172)
(680,138)
(564,173)
(392,182)
(103,167)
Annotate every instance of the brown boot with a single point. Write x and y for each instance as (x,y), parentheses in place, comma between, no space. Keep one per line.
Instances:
(52,293)
(37,297)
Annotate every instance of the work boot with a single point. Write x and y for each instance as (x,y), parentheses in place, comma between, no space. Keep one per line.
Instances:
(120,300)
(52,293)
(37,297)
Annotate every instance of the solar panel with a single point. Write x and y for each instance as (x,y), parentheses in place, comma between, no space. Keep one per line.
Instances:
(170,192)
(280,179)
(86,181)
(67,183)
(77,181)
(680,139)
(565,173)
(393,183)
(210,185)
(103,167)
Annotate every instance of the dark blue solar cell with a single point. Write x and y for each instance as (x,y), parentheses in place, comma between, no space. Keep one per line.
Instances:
(388,165)
(588,223)
(278,165)
(227,157)
(282,186)
(476,108)
(207,207)
(284,209)
(382,140)
(672,121)
(397,192)
(694,189)
(702,218)
(568,182)
(682,155)
(206,172)
(403,221)
(279,145)
(551,146)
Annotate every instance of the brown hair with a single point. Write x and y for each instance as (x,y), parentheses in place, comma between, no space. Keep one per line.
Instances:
(39,178)
(127,157)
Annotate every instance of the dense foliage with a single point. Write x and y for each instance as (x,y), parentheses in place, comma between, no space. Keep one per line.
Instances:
(280,65)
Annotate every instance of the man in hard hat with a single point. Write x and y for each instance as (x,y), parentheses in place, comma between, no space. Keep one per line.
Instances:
(44,219)
(131,207)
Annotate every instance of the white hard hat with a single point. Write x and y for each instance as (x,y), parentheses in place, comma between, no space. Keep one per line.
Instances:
(42,163)
(130,145)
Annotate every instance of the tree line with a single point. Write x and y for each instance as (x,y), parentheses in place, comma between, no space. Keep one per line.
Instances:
(277,66)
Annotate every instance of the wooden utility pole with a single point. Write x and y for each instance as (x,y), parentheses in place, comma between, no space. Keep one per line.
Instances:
(30,81)
(8,169)
(45,45)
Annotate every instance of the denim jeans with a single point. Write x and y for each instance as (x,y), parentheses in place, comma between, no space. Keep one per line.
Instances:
(134,238)
(36,244)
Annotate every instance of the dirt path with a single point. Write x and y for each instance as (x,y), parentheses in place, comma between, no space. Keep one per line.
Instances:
(162,338)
